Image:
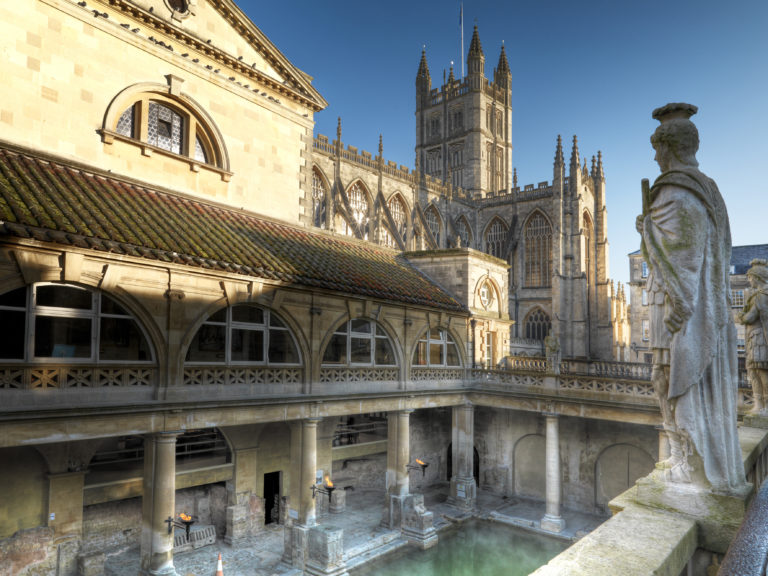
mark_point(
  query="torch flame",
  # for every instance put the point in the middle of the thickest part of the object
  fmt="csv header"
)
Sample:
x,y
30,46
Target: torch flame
x,y
328,482
419,462
185,517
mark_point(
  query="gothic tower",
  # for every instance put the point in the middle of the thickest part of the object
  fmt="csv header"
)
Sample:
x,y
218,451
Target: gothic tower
x,y
464,128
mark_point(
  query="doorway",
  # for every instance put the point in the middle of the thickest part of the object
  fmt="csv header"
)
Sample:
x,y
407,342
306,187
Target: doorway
x,y
272,497
475,464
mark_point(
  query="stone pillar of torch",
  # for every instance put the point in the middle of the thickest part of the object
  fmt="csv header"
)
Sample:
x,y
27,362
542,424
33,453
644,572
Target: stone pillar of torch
x,y
158,504
463,484
552,520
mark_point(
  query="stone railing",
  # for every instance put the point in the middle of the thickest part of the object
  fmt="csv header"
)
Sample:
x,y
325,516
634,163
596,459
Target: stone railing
x,y
507,378
345,375
419,374
577,383
63,377
216,376
525,363
631,370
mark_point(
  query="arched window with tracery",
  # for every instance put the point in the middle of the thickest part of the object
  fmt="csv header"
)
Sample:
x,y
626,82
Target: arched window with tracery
x,y
397,211
496,239
588,246
537,325
538,251
358,206
319,199
464,232
433,221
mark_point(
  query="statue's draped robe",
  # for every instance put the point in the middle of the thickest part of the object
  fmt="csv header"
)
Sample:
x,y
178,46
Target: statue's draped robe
x,y
687,243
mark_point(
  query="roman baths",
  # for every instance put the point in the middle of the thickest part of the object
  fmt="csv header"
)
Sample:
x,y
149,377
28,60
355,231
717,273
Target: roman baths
x,y
230,343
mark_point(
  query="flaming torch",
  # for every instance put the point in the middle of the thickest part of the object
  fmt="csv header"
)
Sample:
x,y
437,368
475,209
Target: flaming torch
x,y
326,488
420,465
184,521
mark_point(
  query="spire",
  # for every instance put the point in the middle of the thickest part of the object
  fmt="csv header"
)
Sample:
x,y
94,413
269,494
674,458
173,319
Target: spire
x,y
600,173
476,60
514,177
584,171
575,152
559,159
475,48
451,77
338,129
593,172
423,67
381,146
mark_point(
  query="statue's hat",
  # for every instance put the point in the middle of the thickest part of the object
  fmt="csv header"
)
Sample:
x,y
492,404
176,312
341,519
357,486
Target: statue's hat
x,y
673,111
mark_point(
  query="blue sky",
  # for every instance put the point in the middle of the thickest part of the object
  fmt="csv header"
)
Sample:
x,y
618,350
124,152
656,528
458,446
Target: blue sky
x,y
594,68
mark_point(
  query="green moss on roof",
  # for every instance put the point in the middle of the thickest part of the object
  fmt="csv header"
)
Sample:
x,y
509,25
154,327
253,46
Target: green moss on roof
x,y
54,201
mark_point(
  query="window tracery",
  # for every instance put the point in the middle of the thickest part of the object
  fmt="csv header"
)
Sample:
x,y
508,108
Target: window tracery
x,y
538,251
496,239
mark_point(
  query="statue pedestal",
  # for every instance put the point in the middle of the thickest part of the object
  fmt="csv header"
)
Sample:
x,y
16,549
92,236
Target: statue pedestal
x,y
717,515
756,420
326,552
418,522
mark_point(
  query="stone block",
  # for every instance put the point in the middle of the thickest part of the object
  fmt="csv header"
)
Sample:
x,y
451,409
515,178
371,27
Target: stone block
x,y
717,516
338,502
418,522
91,565
326,552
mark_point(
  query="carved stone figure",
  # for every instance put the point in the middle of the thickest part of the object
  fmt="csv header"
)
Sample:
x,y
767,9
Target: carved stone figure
x,y
686,242
755,317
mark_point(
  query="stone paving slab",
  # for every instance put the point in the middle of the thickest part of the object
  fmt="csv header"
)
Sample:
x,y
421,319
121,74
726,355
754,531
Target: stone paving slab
x,y
364,536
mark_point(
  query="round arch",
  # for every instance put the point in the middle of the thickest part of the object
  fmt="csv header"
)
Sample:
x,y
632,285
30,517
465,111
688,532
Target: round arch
x,y
617,468
494,302
529,466
425,337
171,94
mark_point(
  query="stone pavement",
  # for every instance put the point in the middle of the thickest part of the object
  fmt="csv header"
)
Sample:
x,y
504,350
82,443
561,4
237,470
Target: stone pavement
x,y
364,537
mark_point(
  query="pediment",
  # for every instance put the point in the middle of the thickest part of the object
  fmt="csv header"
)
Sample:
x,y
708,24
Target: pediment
x,y
220,26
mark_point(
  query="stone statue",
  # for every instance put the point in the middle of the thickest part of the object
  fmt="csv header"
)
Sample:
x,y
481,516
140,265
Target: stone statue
x,y
552,347
686,242
755,317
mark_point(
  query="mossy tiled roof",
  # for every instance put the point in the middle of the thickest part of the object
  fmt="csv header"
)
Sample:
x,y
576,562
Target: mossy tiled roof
x,y
55,201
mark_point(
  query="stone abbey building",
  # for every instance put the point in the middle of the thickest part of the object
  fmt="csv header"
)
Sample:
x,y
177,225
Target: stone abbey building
x,y
202,301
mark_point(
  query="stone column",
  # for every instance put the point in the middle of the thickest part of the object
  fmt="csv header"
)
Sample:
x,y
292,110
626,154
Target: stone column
x,y
403,452
158,504
296,536
308,471
463,485
552,520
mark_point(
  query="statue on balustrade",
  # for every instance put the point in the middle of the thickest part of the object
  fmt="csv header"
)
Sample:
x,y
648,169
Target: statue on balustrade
x,y
754,316
686,242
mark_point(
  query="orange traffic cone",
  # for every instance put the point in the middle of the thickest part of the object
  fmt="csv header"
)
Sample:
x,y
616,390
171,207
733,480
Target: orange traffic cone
x,y
219,569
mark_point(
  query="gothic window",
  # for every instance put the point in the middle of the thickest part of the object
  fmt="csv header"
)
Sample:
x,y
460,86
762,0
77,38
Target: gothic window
x,y
60,323
499,170
360,342
499,126
397,211
588,246
457,164
489,166
537,325
457,120
167,125
434,162
243,335
538,251
464,232
434,125
433,221
358,205
436,348
496,239
319,196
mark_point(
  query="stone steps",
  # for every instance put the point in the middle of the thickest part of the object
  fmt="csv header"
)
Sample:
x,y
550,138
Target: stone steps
x,y
375,547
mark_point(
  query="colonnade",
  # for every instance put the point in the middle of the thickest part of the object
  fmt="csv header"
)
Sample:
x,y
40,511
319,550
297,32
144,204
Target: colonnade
x,y
158,506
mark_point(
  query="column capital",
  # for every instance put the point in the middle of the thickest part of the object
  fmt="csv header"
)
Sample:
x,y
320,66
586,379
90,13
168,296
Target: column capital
x,y
309,422
551,414
164,436
406,411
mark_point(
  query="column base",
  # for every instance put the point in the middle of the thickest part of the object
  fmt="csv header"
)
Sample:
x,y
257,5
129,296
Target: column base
x,y
418,522
463,493
326,552
552,523
296,545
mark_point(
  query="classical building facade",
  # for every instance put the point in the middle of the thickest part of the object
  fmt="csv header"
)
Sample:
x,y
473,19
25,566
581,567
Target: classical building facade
x,y
202,300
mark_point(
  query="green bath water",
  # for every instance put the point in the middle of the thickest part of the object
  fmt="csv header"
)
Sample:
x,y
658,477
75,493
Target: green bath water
x,y
475,548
